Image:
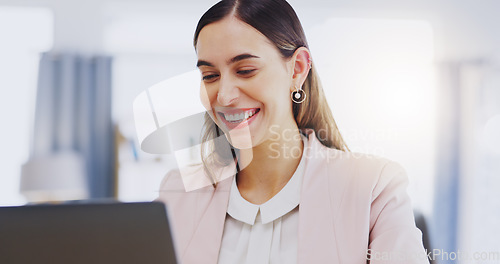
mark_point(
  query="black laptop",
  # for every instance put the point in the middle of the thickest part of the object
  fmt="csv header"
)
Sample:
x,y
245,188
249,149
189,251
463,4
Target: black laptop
x,y
94,233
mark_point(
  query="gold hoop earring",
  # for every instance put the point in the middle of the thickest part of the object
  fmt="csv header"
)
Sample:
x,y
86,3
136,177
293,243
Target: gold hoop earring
x,y
298,96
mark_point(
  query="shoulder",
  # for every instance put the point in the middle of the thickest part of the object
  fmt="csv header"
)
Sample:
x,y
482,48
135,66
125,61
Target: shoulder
x,y
192,185
368,170
175,185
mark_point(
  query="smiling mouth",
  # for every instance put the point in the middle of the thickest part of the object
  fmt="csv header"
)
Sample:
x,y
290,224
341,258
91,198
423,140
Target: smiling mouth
x,y
236,117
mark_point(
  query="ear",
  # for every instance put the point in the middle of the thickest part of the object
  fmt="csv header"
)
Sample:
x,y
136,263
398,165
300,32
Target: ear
x,y
300,66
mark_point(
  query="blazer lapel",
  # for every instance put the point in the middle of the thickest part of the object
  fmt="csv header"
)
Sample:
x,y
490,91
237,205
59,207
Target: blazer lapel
x,y
205,243
317,238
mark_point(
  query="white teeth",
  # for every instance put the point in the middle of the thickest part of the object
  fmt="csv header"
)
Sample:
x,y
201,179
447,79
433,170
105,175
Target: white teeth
x,y
239,117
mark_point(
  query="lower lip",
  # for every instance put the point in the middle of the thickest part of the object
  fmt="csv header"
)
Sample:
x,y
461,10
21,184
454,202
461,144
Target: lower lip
x,y
242,124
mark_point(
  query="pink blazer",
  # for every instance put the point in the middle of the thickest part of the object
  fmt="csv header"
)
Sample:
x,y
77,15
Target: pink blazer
x,y
353,207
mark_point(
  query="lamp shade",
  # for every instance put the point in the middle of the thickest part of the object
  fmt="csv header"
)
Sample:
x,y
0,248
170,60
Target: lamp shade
x,y
57,177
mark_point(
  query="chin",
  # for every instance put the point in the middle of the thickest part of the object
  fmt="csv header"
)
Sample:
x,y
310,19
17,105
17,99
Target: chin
x,y
240,138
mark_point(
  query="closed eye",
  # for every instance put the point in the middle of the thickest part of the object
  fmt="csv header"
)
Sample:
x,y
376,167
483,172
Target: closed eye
x,y
209,77
245,72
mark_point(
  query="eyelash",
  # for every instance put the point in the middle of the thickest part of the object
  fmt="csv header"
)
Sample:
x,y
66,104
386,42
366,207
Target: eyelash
x,y
246,71
209,77
242,72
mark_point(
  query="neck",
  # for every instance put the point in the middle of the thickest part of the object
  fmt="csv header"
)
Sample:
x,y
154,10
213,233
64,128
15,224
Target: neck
x,y
266,168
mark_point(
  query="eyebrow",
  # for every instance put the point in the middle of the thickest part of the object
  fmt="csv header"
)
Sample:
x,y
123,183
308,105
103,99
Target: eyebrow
x,y
240,57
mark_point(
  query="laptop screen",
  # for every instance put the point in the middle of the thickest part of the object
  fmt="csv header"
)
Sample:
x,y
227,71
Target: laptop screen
x,y
86,233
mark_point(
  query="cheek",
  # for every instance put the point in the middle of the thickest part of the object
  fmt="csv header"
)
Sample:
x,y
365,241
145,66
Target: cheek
x,y
207,96
272,89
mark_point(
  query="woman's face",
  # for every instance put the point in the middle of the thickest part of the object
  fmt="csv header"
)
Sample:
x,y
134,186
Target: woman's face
x,y
246,84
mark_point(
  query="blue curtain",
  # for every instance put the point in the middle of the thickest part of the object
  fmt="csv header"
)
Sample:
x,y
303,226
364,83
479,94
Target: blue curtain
x,y
73,113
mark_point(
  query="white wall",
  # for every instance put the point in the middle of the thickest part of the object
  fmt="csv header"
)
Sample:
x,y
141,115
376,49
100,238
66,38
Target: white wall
x,y
464,28
19,51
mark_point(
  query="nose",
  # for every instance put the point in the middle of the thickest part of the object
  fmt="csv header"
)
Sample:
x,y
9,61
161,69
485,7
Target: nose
x,y
228,92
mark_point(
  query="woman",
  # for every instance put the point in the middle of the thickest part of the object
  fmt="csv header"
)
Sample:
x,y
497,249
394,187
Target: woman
x,y
287,190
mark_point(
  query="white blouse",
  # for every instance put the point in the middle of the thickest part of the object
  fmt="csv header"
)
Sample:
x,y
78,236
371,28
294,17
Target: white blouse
x,y
266,233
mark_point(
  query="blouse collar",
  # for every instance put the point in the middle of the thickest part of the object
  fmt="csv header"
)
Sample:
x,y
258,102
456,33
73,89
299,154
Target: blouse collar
x,y
279,205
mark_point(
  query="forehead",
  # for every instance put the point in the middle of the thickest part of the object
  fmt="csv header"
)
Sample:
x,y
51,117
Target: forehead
x,y
229,37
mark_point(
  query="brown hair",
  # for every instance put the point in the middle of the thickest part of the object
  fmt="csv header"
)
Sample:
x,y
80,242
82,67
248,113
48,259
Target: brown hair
x,y
276,20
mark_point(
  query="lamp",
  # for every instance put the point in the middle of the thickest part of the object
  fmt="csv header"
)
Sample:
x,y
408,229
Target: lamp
x,y
55,177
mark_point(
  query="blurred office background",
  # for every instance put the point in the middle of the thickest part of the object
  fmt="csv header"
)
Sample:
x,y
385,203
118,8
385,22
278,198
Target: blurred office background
x,y
415,81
